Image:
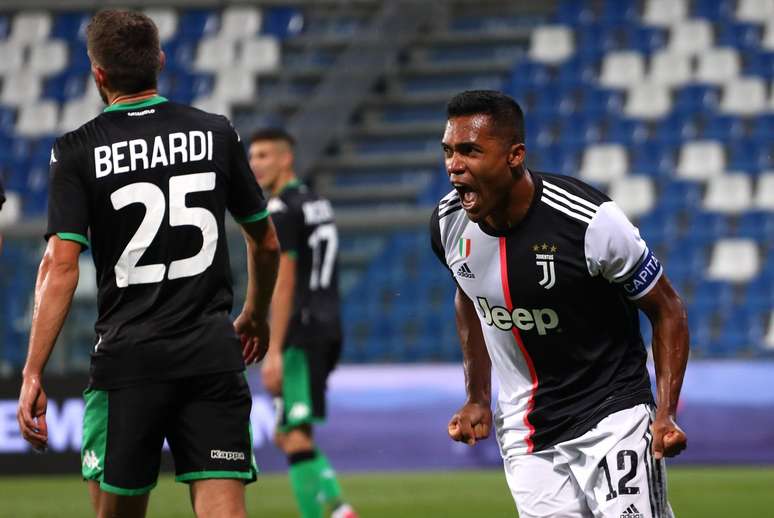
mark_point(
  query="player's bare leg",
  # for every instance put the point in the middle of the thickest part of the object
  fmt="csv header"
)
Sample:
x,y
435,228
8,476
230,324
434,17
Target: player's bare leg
x,y
120,506
218,498
94,495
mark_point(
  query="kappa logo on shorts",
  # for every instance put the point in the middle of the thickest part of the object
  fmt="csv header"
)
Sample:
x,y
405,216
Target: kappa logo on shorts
x,y
632,512
227,455
90,459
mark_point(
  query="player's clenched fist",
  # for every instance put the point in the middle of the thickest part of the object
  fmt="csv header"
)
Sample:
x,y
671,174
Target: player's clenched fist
x,y
471,423
668,438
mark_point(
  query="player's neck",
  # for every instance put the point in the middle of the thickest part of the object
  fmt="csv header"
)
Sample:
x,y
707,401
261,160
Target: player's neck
x,y
285,181
516,205
119,98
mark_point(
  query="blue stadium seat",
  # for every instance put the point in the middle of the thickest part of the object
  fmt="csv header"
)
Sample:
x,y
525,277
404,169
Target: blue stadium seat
x,y
70,26
714,10
739,35
282,22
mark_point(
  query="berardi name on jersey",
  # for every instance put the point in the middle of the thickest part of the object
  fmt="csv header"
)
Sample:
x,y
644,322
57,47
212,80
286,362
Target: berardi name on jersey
x,y
130,155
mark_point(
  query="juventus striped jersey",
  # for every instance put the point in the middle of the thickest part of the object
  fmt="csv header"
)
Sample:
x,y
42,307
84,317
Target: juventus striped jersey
x,y
554,295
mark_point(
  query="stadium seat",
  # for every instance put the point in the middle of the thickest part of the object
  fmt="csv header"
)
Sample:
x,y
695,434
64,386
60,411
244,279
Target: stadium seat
x,y
11,57
669,69
755,11
37,119
48,58
551,44
744,96
701,160
622,69
690,37
215,54
635,195
729,194
648,101
664,13
604,162
239,21
718,66
769,340
767,41
30,26
165,19
234,85
764,193
734,260
213,105
11,209
23,87
77,112
261,54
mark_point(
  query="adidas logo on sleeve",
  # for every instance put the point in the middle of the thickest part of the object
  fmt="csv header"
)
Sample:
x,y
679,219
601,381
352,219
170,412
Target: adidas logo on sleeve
x,y
465,271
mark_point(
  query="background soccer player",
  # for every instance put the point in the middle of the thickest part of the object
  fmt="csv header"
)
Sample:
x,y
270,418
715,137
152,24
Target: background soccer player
x,y
146,185
306,330
550,276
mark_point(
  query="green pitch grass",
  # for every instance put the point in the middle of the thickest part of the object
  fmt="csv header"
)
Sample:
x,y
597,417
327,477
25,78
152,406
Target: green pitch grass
x,y
694,493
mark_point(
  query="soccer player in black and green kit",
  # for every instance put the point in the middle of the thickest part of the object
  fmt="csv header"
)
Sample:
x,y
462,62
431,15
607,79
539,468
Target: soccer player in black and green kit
x,y
146,185
306,328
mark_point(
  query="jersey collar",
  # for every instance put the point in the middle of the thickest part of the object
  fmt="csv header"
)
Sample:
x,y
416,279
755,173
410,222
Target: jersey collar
x,y
156,99
537,181
295,182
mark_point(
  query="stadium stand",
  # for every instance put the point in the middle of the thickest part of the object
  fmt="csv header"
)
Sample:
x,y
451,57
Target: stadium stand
x,y
664,104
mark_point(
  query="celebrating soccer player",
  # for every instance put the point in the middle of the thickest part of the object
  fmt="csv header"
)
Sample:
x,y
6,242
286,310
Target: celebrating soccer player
x,y
306,328
550,275
146,185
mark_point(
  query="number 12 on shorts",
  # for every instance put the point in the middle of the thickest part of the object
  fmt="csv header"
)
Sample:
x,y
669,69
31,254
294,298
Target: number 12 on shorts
x,y
623,489
152,198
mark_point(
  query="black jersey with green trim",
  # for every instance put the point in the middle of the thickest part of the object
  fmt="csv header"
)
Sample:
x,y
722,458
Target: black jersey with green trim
x,y
306,229
554,297
146,185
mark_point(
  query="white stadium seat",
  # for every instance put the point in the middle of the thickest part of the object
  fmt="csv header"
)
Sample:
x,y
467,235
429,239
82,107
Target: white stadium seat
x,y
729,193
768,342
691,37
234,85
634,194
670,69
663,13
213,105
49,57
30,26
718,65
37,119
215,54
604,163
755,11
551,44
648,101
77,112
745,96
240,21
734,260
23,87
86,289
11,209
621,69
166,21
767,41
260,54
701,160
11,57
764,194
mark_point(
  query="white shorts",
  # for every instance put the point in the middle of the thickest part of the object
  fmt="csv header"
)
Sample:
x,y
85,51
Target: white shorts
x,y
607,472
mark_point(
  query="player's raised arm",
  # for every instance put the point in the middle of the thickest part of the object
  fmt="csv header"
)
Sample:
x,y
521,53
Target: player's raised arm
x,y
473,421
667,315
262,263
54,288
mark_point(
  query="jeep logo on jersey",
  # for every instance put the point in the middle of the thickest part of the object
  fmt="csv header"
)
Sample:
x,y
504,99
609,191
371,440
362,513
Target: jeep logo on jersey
x,y
546,264
525,319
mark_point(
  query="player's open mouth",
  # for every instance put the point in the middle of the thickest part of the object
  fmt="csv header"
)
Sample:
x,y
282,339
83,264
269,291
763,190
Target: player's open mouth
x,y
468,196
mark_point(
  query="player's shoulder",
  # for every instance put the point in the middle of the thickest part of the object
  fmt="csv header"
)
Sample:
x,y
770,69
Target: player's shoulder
x,y
204,118
448,218
570,196
448,206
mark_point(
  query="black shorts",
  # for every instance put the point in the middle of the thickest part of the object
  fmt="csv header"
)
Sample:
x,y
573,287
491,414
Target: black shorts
x,y
305,372
205,419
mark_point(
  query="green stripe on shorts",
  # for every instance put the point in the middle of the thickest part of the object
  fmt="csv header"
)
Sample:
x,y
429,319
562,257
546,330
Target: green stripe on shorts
x,y
204,475
95,420
296,392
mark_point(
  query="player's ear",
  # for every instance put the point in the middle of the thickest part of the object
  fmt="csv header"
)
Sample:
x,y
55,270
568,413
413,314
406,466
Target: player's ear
x,y
162,60
516,155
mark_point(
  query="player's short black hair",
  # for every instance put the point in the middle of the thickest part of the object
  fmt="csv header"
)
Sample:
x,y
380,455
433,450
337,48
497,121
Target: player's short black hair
x,y
126,45
273,134
504,111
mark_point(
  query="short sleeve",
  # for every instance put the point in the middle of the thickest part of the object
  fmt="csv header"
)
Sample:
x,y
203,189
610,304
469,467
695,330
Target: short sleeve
x,y
288,222
245,198
68,196
615,250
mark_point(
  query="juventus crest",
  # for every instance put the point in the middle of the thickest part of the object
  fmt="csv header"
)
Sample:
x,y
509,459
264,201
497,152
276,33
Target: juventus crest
x,y
545,262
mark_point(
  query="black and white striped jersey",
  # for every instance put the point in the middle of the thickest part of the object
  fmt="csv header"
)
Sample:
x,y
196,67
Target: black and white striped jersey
x,y
554,297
